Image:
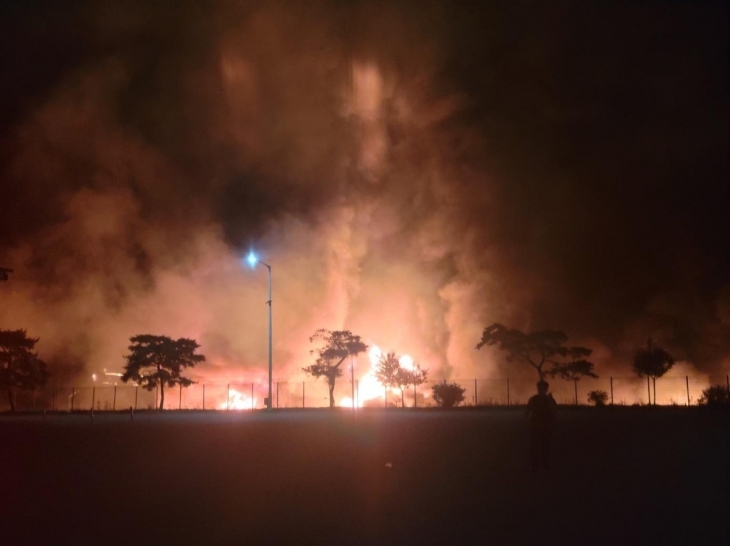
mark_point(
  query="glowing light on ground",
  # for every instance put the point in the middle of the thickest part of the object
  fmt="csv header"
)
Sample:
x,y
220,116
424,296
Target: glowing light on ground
x,y
239,401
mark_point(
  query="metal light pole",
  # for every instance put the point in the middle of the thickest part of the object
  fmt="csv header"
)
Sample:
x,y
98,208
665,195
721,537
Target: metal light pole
x,y
252,261
352,380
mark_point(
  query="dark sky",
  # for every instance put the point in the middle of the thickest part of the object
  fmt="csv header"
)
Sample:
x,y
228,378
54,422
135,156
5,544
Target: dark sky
x,y
611,123
595,136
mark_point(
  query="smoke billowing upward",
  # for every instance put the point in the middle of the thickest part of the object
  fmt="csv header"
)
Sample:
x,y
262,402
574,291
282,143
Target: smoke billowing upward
x,y
412,173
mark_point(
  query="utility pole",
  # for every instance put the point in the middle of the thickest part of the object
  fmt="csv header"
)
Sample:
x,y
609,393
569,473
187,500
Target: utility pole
x,y
270,341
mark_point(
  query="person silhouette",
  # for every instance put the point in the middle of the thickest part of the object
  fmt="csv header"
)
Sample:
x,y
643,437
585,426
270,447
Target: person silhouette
x,y
541,415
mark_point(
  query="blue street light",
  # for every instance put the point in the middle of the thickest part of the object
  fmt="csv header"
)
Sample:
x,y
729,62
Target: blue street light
x,y
252,260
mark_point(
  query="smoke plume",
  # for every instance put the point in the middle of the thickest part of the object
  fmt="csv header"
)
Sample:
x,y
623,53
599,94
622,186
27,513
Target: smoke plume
x,y
412,172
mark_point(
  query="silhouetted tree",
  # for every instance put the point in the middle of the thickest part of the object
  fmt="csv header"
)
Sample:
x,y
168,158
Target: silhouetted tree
x,y
448,395
598,398
336,346
652,361
390,373
716,395
325,368
544,350
159,361
20,367
573,371
414,377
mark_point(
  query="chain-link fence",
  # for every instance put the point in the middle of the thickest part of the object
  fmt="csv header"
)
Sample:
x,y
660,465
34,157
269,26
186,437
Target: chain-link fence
x,y
619,390
670,390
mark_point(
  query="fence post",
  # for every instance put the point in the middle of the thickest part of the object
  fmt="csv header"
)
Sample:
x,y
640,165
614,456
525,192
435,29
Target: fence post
x,y
653,380
34,390
575,382
114,400
251,395
93,399
302,394
73,397
277,395
53,402
415,396
476,396
179,400
727,381
385,398
357,391
686,379
508,391
612,390
136,392
228,397
203,396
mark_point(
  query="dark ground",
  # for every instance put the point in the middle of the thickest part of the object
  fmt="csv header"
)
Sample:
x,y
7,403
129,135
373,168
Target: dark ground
x,y
620,476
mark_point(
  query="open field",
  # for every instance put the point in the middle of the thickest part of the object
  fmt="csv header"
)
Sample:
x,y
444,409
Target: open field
x,y
619,476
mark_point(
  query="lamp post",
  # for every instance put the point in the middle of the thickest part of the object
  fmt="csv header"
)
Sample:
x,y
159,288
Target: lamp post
x,y
252,260
352,381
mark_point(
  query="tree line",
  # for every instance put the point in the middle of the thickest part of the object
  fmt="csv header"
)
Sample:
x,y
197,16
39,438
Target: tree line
x,y
156,361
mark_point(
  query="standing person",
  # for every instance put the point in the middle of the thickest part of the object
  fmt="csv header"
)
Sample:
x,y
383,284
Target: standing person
x,y
541,415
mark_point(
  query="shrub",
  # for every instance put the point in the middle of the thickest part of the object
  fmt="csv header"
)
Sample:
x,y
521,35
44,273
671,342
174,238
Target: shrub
x,y
598,398
448,395
716,395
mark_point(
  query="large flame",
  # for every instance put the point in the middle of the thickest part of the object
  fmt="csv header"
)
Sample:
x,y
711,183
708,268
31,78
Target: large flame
x,y
239,401
368,387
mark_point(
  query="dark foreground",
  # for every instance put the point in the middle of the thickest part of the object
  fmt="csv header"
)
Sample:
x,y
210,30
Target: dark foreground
x,y
620,476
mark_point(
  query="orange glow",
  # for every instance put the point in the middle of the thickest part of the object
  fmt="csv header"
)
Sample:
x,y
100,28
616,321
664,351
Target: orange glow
x,y
368,387
239,401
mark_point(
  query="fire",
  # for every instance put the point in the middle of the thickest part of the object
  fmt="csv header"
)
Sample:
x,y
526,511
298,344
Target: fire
x,y
368,387
406,362
237,400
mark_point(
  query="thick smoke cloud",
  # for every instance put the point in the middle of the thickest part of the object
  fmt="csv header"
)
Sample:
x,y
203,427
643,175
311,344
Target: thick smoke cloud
x,y
412,172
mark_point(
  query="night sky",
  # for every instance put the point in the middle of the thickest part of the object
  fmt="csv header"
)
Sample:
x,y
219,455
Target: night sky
x,y
560,164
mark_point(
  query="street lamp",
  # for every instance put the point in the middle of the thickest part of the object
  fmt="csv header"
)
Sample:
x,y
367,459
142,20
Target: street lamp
x,y
252,260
